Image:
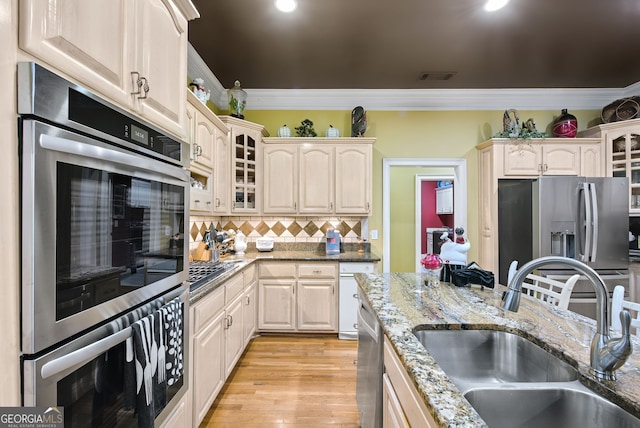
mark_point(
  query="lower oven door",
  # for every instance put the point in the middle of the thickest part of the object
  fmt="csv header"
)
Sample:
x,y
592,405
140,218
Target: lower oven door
x,y
94,379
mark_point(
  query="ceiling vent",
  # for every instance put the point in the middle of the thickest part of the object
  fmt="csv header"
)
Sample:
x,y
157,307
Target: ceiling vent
x,y
436,75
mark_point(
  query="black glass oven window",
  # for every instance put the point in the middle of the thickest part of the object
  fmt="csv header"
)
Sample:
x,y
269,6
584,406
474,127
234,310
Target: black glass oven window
x,y
114,234
102,393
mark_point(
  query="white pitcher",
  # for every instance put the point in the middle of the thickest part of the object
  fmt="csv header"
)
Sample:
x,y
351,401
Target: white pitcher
x,y
240,243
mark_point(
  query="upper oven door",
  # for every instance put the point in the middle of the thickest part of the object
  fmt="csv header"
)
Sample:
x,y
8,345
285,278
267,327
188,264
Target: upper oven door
x,y
99,232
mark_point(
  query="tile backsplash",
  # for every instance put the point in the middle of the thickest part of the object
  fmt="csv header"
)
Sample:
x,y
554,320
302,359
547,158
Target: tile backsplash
x,y
282,229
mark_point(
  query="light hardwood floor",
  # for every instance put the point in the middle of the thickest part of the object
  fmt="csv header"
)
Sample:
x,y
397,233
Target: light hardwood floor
x,y
290,382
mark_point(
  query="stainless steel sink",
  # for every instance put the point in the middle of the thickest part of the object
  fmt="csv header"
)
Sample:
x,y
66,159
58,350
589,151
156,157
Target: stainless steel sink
x,y
547,407
493,356
512,382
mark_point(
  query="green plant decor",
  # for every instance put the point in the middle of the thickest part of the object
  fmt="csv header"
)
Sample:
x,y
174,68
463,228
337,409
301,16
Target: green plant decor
x,y
306,129
513,129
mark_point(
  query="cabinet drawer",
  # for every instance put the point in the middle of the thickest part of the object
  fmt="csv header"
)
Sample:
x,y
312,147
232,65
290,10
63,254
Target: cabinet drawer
x,y
208,308
277,270
234,287
249,275
317,270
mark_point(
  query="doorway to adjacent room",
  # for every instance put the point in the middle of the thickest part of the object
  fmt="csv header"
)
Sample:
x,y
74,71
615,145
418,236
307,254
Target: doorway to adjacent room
x,y
456,167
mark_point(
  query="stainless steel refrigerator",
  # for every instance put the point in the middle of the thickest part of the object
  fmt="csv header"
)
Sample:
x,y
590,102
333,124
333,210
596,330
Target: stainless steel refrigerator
x,y
585,218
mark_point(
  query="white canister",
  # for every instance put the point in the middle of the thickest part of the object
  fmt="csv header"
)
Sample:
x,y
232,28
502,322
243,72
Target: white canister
x,y
284,132
333,132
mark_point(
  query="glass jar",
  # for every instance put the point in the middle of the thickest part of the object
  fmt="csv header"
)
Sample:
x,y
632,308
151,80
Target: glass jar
x,y
237,100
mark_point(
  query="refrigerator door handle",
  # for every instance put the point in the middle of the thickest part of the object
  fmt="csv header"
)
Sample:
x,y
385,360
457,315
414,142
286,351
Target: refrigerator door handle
x,y
594,229
588,234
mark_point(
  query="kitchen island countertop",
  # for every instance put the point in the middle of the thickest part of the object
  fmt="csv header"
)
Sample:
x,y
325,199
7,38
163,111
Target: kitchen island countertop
x,y
402,302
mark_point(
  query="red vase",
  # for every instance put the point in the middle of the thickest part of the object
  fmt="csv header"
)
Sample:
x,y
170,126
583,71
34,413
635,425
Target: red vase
x,y
566,125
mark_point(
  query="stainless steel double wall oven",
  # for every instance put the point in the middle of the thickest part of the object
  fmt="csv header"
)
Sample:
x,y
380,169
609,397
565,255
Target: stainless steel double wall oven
x,y
105,200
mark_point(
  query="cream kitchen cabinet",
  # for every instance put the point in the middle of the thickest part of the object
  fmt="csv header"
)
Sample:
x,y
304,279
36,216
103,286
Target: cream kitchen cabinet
x,y
504,158
301,297
249,312
217,342
208,343
276,296
280,179
246,164
133,53
310,176
206,133
222,175
444,200
354,178
558,156
316,179
621,141
403,406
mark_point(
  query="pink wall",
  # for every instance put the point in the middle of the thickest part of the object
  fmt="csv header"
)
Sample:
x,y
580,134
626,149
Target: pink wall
x,y
429,216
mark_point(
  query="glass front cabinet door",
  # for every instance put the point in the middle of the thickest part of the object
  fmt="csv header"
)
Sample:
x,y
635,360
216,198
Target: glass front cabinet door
x,y
245,164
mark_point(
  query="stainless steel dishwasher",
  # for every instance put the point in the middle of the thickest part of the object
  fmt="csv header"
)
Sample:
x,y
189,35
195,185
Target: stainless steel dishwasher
x,y
370,366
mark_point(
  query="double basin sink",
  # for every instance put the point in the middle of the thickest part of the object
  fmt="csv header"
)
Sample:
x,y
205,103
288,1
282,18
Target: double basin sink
x,y
512,382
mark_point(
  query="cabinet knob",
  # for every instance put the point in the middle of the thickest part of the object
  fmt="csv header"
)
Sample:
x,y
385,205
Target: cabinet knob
x,y
197,201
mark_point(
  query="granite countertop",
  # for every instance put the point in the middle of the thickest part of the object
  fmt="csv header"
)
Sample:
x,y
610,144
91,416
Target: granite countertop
x,y
240,263
402,302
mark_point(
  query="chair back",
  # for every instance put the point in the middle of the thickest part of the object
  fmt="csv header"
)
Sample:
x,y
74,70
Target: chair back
x,y
618,304
549,290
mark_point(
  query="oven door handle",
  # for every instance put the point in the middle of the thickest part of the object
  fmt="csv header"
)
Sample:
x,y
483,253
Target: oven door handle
x,y
65,145
84,355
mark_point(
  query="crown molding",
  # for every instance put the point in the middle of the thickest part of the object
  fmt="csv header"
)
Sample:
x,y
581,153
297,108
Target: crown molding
x,y
410,99
431,99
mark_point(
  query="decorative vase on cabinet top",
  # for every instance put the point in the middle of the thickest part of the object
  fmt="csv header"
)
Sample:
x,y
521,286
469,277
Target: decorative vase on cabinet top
x,y
284,131
333,132
237,100
566,125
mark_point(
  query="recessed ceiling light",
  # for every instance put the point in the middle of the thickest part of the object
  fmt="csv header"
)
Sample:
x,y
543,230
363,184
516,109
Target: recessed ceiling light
x,y
493,5
286,5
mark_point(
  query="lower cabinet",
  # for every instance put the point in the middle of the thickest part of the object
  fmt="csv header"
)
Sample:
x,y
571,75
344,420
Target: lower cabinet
x,y
234,335
208,352
298,297
403,405
392,414
250,309
219,324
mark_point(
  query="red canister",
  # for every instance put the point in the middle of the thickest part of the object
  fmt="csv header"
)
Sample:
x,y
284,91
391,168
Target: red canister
x,y
566,125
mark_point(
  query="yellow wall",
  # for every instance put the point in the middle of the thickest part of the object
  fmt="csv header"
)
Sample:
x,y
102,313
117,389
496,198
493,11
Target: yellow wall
x,y
416,134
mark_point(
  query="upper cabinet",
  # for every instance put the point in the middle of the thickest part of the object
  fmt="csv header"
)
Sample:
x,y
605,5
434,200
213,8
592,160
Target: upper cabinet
x,y
553,156
208,136
246,168
504,158
317,176
133,53
621,141
444,200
